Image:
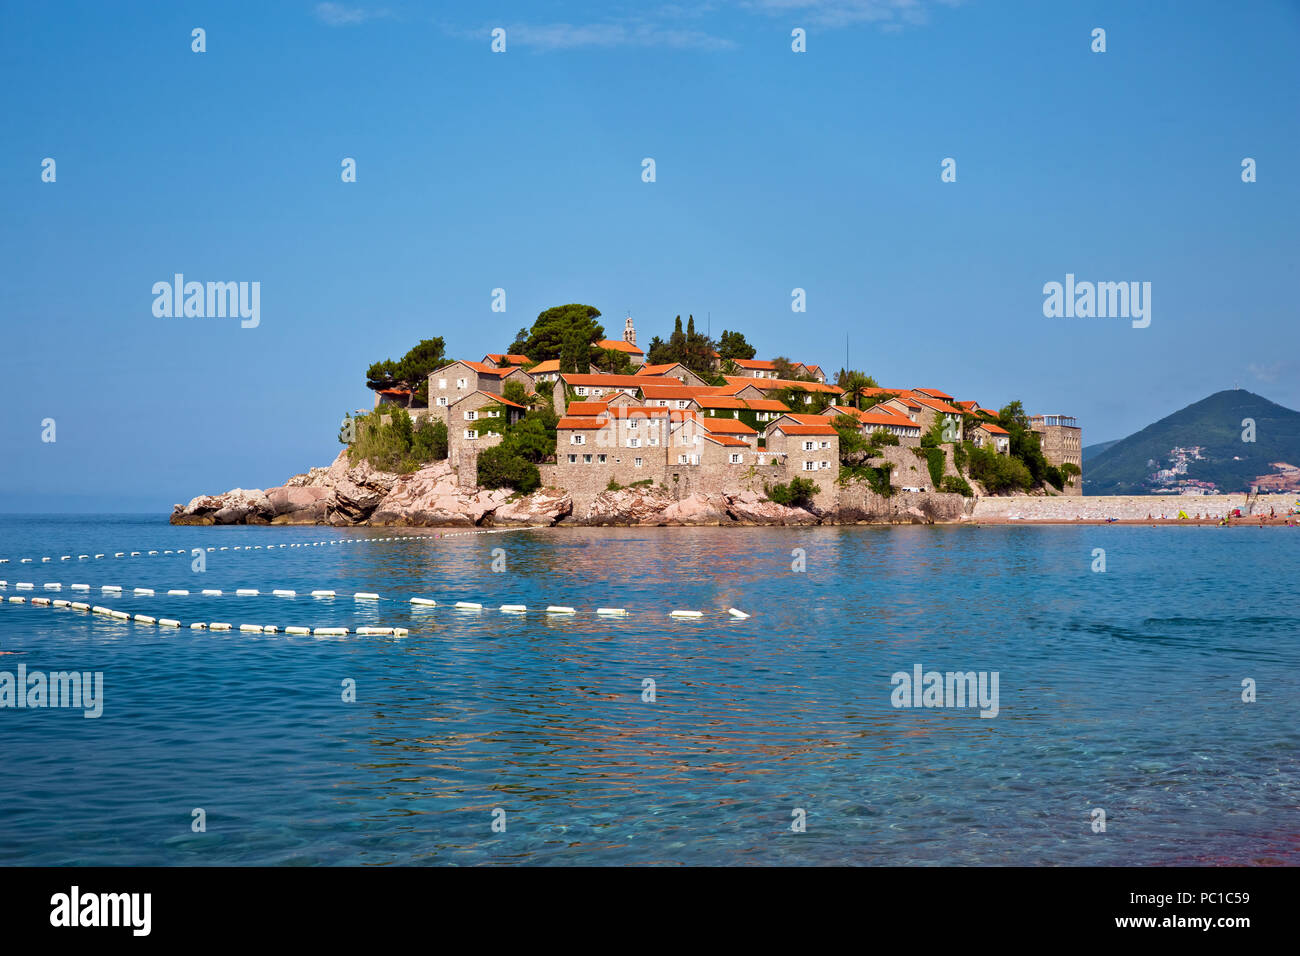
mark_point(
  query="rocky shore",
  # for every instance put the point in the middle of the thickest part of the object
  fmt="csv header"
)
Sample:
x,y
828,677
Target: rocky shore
x,y
348,495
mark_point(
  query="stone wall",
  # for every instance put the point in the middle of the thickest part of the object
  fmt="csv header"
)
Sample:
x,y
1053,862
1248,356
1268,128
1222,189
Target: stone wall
x,y
1124,507
857,502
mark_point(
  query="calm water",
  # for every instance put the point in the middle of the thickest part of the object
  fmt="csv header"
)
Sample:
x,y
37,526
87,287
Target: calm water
x,y
1119,690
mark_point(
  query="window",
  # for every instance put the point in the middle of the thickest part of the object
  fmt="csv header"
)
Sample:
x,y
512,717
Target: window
x,y
808,465
636,462
462,383
807,399
681,403
631,423
470,434
735,459
600,459
442,401
586,459
653,441
573,459
682,459
809,446
469,416
442,383
826,444
634,443
581,390
492,412
824,465
578,440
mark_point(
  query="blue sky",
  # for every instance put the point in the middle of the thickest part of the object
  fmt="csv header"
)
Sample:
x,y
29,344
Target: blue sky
x,y
522,170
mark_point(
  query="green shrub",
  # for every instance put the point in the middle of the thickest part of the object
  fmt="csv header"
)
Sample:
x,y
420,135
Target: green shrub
x,y
498,467
797,494
613,486
880,438
999,472
956,485
429,443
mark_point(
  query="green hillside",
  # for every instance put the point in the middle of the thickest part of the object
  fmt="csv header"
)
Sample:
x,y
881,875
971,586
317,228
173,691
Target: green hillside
x,y
1212,424
1092,451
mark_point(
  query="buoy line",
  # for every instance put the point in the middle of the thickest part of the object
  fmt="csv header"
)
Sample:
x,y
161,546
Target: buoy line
x,y
189,552
167,622
365,598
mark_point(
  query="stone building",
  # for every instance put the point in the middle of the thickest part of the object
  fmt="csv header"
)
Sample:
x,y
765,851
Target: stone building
x,y
452,382
1061,439
811,449
475,422
989,435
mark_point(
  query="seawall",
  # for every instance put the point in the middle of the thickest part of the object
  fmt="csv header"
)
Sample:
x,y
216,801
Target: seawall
x,y
1125,507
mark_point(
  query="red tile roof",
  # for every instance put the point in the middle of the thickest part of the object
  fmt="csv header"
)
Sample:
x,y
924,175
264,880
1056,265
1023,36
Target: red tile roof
x,y
772,384
934,393
580,423
618,345
805,429
733,425
992,429
727,440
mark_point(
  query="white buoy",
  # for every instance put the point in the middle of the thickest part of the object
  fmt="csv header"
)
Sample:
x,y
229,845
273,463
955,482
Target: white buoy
x,y
168,622
322,594
153,552
255,628
97,556
612,611
513,608
424,602
687,613
560,609
374,631
297,630
469,606
17,600
24,585
62,603
145,619
365,596
219,627
198,627
54,587
41,602
331,631
111,587
400,632
119,554
121,615
79,606
283,593
135,554
178,593
145,591
212,592
68,557
269,629
737,613
79,587
246,592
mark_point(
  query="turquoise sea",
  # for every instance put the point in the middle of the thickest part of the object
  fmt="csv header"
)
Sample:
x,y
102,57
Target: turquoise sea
x,y
1118,690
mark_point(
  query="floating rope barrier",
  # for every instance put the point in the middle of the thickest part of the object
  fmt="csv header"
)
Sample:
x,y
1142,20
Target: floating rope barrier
x,y
188,552
364,597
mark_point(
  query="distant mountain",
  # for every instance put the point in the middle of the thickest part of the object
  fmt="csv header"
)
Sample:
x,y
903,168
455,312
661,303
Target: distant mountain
x,y
1092,451
1202,446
